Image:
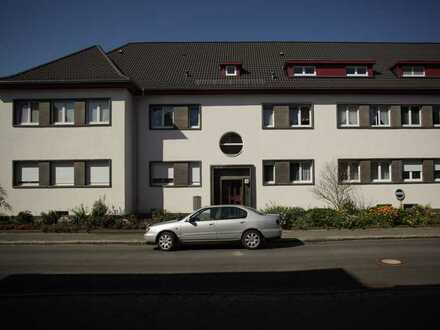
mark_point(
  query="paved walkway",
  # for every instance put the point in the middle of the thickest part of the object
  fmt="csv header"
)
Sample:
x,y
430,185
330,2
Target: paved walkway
x,y
136,236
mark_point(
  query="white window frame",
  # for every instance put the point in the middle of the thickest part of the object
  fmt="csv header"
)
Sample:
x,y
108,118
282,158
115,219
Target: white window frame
x,y
273,172
380,164
299,108
411,179
410,110
300,169
379,109
411,72
347,118
272,115
64,113
189,119
29,121
356,69
303,72
99,114
232,74
348,165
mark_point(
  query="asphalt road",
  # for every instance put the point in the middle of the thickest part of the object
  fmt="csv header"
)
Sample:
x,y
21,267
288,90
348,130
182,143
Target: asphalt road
x,y
341,285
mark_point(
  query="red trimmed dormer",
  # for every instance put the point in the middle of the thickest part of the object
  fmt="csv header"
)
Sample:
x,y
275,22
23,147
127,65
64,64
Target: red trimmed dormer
x,y
230,69
330,68
417,69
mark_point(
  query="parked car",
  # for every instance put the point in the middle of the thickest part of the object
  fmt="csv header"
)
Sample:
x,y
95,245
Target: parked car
x,y
218,223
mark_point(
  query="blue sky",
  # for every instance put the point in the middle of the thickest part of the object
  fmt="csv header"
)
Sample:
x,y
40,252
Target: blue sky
x,y
37,31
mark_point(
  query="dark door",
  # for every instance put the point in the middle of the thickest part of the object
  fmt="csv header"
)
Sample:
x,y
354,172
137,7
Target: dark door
x,y
232,192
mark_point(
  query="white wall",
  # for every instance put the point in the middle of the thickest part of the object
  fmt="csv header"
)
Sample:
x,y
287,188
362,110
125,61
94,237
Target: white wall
x,y
52,143
242,114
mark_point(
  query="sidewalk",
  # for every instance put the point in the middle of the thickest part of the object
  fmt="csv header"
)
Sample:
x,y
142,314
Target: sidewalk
x,y
136,236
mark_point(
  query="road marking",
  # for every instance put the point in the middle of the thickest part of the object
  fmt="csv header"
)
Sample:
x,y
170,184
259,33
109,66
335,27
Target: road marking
x,y
391,262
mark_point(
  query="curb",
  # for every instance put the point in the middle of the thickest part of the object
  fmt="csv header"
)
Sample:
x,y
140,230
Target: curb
x,y
141,242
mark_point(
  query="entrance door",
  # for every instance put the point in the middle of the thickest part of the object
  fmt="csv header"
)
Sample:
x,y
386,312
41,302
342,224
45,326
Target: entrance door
x,y
232,191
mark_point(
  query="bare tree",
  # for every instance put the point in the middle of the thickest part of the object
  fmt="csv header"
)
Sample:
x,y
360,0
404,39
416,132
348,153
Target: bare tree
x,y
3,203
330,189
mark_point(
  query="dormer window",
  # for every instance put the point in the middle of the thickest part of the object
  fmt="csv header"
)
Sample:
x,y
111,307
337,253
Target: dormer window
x,y
413,71
304,71
231,70
357,71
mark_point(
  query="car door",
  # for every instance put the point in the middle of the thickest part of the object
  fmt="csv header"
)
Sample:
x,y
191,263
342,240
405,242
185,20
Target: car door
x,y
231,223
201,226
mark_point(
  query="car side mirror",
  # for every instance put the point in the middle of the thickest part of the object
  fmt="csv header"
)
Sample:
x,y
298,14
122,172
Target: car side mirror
x,y
193,219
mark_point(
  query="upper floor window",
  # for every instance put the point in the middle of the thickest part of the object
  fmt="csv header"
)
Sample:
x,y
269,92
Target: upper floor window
x,y
26,113
379,116
348,116
411,116
381,171
231,70
301,171
268,117
350,171
98,112
300,115
412,171
27,174
175,116
357,71
413,71
64,112
194,117
304,71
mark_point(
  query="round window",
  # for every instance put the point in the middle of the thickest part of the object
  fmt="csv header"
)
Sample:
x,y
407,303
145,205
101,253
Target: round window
x,y
231,144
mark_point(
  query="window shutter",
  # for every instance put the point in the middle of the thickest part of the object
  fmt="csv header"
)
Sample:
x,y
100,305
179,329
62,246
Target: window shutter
x,y
365,171
80,113
282,172
79,173
364,116
64,174
395,114
44,116
44,172
281,115
426,116
428,170
181,174
181,117
396,171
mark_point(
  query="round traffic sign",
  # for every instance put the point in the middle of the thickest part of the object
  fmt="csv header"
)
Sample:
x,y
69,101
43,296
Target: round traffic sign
x,y
400,194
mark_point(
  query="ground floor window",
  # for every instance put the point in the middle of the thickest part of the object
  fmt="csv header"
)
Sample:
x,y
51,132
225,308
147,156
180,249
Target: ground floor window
x,y
27,174
269,173
412,171
350,171
98,173
381,171
301,172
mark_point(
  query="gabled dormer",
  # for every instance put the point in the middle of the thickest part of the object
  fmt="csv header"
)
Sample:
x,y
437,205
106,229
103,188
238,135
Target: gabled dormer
x,y
417,69
230,69
329,68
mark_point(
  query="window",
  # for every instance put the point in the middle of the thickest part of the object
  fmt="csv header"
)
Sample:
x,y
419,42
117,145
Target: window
x,y
195,173
411,115
208,214
98,112
269,172
413,71
299,116
232,213
98,173
162,117
26,113
268,116
231,144
304,71
381,171
437,171
301,172
63,112
27,174
379,116
348,116
162,174
350,171
63,174
436,115
357,71
194,117
412,171
231,70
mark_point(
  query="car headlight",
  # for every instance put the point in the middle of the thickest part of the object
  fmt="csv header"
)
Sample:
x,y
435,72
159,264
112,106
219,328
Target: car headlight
x,y
147,229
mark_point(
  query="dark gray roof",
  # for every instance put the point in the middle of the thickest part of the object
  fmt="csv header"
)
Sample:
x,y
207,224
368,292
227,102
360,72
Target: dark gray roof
x,y
195,66
87,65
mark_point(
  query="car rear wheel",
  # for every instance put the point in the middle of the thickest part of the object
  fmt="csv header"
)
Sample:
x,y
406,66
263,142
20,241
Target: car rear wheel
x,y
252,239
166,241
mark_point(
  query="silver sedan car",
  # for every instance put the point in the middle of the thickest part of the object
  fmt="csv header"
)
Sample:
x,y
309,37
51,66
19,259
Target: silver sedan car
x,y
216,224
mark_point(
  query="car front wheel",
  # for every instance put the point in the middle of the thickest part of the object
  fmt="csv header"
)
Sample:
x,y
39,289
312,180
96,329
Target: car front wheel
x,y
252,239
166,241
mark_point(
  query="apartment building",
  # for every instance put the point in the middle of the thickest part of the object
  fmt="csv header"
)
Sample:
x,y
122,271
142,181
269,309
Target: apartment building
x,y
180,125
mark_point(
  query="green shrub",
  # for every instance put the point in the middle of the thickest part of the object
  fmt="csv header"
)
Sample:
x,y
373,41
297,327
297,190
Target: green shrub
x,y
50,218
289,216
24,217
164,215
5,220
99,212
80,215
323,217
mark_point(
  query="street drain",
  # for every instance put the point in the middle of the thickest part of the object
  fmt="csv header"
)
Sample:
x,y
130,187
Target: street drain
x,y
391,262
